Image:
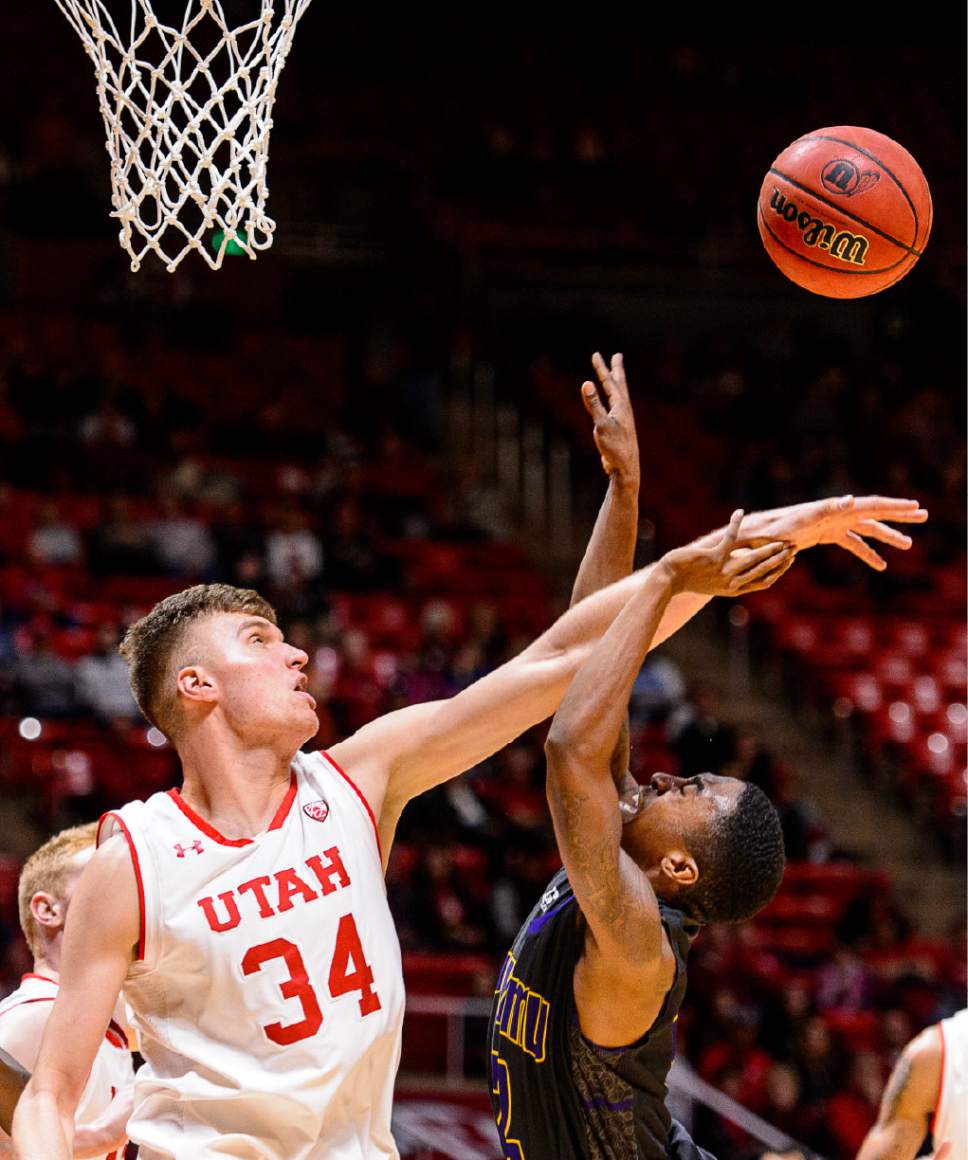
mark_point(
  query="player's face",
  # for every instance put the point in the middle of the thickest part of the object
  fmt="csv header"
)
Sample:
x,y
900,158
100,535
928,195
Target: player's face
x,y
259,679
674,809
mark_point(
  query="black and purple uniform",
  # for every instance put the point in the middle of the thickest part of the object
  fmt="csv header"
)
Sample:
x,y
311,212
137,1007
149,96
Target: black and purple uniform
x,y
555,1095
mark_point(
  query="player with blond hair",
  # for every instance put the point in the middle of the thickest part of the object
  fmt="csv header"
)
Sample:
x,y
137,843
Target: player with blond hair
x,y
248,921
44,892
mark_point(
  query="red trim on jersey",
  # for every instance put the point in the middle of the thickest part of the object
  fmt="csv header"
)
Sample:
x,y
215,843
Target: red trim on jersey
x,y
286,805
359,793
210,831
200,824
137,874
24,1002
115,1035
34,975
937,1105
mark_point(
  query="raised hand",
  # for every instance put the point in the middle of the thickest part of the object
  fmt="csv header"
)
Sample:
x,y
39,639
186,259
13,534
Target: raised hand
x,y
729,567
847,521
614,429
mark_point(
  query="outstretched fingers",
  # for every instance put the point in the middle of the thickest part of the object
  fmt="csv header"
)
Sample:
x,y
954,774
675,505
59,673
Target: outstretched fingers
x,y
612,378
875,530
862,550
879,507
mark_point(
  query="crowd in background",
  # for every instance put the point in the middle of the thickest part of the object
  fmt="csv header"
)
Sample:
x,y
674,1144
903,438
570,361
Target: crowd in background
x,y
118,479
295,439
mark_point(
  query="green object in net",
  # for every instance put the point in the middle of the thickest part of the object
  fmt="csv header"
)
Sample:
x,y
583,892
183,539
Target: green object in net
x,y
233,247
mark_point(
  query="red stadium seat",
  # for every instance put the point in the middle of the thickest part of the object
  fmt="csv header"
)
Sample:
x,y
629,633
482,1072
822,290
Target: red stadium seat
x,y
856,1030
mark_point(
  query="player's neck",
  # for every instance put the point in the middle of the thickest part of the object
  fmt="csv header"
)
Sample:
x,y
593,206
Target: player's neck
x,y
236,788
47,965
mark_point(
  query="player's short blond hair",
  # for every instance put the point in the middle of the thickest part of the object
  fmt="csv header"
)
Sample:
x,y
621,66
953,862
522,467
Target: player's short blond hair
x,y
154,645
47,870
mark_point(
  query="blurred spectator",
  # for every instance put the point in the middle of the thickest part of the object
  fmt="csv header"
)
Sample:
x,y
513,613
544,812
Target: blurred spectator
x,y
515,792
352,559
818,1058
659,688
851,1113
445,917
182,543
516,885
702,741
783,1103
53,540
107,429
102,680
844,983
122,544
239,547
44,680
293,550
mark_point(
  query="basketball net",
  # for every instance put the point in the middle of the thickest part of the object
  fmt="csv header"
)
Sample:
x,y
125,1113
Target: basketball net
x,y
188,111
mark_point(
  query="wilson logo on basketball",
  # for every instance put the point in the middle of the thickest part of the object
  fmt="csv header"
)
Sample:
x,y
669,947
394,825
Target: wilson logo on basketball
x,y
318,811
840,244
843,177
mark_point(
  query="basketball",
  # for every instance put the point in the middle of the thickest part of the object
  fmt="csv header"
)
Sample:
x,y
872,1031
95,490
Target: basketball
x,y
844,212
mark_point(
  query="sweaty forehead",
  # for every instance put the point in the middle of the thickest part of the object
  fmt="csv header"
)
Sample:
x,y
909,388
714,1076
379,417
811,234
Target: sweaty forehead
x,y
725,791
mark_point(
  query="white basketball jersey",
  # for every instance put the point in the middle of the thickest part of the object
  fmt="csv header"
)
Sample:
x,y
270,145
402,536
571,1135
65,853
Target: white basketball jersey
x,y
268,988
951,1116
111,1071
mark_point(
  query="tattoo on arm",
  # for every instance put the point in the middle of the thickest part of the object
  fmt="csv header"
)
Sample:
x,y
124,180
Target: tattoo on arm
x,y
593,860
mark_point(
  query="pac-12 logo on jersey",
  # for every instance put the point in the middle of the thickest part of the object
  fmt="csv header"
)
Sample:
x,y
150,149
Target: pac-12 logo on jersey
x,y
318,811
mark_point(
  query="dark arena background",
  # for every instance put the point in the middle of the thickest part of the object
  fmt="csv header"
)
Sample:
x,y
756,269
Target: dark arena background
x,y
378,424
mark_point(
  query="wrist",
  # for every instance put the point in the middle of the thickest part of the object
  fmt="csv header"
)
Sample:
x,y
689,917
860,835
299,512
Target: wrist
x,y
669,575
624,484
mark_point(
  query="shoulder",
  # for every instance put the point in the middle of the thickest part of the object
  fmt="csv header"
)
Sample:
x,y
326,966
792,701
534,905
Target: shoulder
x,y
110,875
925,1053
912,1090
357,763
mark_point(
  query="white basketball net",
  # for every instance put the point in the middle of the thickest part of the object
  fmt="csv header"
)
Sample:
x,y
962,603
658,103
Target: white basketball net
x,y
188,111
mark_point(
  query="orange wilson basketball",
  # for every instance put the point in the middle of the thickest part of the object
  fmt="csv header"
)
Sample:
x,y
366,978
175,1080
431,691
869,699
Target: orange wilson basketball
x,y
844,211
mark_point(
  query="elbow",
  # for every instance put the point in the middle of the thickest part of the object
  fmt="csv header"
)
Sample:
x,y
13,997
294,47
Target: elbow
x,y
568,752
559,744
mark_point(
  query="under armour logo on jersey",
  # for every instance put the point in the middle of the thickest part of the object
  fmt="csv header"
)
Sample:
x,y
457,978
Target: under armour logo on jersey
x,y
318,811
181,850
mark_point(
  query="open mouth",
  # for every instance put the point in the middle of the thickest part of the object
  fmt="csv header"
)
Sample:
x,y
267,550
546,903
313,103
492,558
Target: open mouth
x,y
302,690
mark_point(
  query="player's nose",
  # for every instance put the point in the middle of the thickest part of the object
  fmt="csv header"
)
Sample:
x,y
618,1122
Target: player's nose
x,y
663,782
298,659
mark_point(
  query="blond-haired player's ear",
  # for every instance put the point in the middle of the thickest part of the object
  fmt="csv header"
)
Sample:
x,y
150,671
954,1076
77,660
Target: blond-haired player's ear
x,y
46,910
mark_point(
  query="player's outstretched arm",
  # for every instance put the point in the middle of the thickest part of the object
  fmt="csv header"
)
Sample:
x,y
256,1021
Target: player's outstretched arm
x,y
908,1102
610,554
399,756
615,896
99,945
